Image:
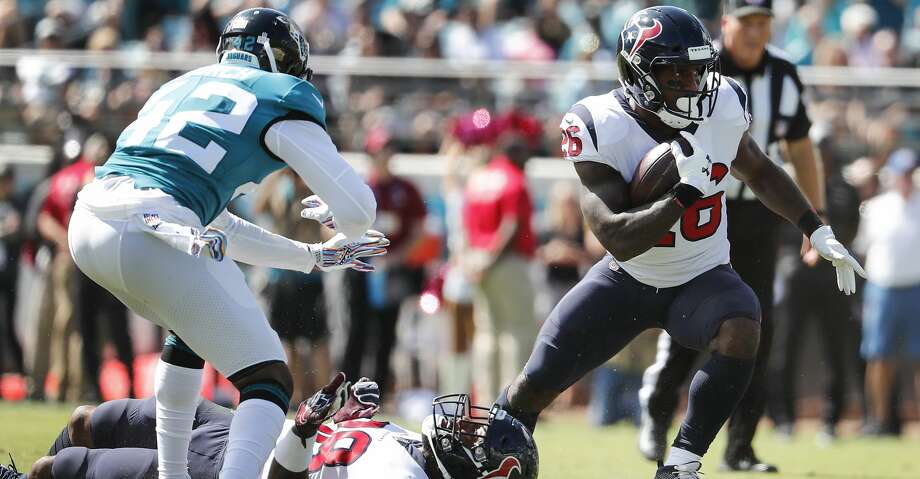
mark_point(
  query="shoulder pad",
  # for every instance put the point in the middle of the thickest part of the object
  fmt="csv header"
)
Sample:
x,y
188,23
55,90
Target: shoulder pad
x,y
608,118
591,129
732,103
579,134
298,97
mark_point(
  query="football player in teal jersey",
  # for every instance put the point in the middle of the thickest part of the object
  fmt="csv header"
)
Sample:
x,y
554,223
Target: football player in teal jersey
x,y
154,230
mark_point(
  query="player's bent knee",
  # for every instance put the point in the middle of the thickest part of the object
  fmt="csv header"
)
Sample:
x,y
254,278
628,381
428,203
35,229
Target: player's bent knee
x,y
80,426
270,381
738,338
42,467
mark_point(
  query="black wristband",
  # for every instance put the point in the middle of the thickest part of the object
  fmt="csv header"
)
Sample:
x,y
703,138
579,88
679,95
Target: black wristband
x,y
685,194
809,222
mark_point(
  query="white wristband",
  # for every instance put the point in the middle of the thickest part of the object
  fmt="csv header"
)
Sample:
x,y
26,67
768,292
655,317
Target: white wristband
x,y
291,453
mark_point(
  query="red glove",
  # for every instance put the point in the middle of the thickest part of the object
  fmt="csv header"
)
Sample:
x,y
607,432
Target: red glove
x,y
320,407
363,402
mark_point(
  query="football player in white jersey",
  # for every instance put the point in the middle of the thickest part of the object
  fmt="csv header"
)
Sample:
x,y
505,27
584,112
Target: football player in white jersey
x,y
154,230
669,260
117,441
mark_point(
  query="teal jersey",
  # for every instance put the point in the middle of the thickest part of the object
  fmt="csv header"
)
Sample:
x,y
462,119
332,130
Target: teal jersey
x,y
199,138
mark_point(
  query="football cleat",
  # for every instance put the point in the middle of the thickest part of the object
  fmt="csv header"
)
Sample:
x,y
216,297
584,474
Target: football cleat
x,y
690,470
10,471
748,463
652,437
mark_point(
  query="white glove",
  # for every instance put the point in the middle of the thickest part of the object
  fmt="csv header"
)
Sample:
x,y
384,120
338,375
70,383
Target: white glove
x,y
823,241
210,243
317,210
694,169
338,253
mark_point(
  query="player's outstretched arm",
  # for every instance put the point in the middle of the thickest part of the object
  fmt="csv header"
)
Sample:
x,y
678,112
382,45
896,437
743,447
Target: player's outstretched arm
x,y
308,150
251,244
294,448
605,201
777,190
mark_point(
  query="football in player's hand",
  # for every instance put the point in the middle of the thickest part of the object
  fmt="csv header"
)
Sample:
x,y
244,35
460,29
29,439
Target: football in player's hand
x,y
655,175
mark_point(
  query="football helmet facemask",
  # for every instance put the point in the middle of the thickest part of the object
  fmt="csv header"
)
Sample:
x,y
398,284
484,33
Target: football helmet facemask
x,y
476,442
269,39
668,37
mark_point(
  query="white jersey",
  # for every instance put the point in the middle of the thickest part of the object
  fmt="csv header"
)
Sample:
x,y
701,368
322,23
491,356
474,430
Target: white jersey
x,y
364,449
603,129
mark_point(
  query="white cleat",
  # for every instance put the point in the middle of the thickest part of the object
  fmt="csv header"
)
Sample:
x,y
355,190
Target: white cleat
x,y
652,438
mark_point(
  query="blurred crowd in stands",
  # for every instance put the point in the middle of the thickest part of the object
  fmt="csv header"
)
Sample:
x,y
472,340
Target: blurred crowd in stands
x,y
480,258
822,33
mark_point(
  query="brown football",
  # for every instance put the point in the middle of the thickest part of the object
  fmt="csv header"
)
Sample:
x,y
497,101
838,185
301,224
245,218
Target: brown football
x,y
655,175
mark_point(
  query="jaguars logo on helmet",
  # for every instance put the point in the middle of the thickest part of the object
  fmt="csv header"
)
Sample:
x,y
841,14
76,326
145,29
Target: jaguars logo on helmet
x,y
268,39
657,37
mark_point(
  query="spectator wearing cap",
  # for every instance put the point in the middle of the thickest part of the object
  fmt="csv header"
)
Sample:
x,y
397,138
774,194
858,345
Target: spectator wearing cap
x,y
374,300
501,240
42,79
889,234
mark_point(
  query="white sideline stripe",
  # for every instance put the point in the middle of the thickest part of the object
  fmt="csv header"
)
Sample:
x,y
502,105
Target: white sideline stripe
x,y
438,68
403,164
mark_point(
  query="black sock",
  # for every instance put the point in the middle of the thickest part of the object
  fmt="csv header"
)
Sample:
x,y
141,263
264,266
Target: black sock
x,y
61,443
714,392
528,419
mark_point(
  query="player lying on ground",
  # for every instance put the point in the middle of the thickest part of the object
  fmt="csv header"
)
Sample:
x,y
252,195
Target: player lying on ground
x,y
153,228
117,440
669,264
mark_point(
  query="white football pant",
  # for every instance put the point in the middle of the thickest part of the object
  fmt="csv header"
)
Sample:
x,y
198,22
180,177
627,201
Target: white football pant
x,y
206,303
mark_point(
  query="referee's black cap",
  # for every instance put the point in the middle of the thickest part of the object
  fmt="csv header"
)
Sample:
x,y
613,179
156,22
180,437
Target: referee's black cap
x,y
742,8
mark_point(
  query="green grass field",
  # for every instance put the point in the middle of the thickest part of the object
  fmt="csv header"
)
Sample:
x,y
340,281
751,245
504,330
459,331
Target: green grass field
x,y
571,449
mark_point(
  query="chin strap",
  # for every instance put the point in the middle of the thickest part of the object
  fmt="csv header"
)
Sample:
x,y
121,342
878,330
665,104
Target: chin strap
x,y
428,431
263,40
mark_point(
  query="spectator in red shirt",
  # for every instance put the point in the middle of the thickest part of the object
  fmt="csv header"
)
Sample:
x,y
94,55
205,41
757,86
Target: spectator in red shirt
x,y
52,222
80,305
497,215
376,298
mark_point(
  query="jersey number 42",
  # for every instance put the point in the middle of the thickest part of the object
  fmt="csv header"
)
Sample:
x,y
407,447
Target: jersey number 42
x,y
184,115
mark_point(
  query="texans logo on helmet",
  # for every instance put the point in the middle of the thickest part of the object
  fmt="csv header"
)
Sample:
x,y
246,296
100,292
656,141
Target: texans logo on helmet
x,y
508,465
645,34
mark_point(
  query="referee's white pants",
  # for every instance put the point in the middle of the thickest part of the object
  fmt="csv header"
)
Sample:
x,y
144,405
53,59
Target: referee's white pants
x,y
206,303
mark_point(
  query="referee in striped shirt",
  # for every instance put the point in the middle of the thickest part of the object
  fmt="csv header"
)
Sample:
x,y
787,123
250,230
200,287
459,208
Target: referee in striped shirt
x,y
781,123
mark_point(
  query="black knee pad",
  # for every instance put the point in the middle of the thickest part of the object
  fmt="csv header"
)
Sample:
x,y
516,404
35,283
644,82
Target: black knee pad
x,y
177,353
270,381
